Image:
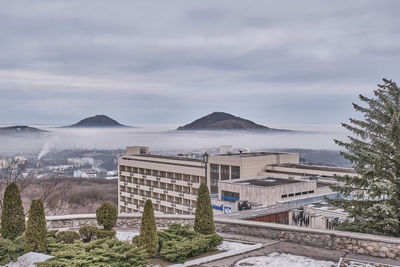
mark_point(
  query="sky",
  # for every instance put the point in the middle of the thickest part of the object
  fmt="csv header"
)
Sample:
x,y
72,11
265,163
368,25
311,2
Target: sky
x,y
171,62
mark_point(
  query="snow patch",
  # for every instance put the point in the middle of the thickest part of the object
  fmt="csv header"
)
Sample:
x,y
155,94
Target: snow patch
x,y
281,259
230,246
29,260
126,235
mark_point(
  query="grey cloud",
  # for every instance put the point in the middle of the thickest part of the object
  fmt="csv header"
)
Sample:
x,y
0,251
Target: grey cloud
x,y
172,61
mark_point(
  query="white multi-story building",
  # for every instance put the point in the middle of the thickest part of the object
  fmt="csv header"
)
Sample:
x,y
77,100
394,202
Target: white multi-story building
x,y
172,183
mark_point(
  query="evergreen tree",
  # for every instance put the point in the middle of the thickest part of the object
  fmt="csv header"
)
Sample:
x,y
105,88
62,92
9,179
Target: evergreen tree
x,y
107,215
12,217
36,231
148,237
204,218
373,197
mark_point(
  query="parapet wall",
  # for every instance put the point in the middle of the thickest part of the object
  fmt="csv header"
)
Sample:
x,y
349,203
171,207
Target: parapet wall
x,y
372,245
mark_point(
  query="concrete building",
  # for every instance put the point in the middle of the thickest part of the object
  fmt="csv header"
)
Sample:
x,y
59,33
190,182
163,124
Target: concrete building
x,y
172,182
317,216
266,190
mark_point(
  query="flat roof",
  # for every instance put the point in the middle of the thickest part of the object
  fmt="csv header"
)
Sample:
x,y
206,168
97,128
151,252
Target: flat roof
x,y
252,154
317,168
267,181
259,212
165,157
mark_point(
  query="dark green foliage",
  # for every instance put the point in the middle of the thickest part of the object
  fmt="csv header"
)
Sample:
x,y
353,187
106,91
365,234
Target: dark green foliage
x,y
101,252
11,250
36,231
177,243
373,197
67,237
12,217
204,218
148,229
106,215
52,233
100,233
88,232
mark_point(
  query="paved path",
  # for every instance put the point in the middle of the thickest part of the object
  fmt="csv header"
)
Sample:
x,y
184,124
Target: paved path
x,y
270,246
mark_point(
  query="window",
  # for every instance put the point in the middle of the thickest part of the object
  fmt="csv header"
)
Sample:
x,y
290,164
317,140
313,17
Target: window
x,y
284,196
297,194
235,172
214,168
291,195
224,172
311,192
304,193
230,196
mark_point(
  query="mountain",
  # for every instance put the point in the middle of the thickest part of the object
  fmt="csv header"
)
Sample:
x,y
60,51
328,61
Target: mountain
x,y
223,121
12,130
96,122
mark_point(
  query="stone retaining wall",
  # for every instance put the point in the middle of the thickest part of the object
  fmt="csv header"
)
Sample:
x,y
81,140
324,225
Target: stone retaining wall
x,y
372,245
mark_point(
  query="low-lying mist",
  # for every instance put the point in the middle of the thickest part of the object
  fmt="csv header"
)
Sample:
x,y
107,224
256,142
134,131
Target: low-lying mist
x,y
160,138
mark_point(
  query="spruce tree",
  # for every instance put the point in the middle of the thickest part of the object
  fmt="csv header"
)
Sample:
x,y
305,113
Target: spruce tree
x,y
373,197
36,231
204,219
148,230
12,217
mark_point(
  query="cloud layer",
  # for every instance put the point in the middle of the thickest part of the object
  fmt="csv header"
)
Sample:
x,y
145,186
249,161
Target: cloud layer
x,y
173,61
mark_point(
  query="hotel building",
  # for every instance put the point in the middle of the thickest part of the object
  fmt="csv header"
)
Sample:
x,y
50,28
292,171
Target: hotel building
x,y
172,183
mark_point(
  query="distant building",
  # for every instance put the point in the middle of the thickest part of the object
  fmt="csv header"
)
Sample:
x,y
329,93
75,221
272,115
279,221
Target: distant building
x,y
226,149
78,173
89,174
81,161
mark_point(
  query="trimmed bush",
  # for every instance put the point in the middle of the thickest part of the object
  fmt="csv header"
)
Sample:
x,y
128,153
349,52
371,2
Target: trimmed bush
x,y
106,215
11,250
12,217
148,230
100,233
177,243
68,237
204,218
36,231
101,252
87,232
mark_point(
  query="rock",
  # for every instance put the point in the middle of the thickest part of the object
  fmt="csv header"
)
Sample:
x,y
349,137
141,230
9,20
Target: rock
x,y
28,259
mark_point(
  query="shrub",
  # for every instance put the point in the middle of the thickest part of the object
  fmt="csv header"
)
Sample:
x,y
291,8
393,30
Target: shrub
x,y
36,231
100,233
52,233
148,229
87,232
12,217
106,215
177,243
204,219
102,252
67,237
11,250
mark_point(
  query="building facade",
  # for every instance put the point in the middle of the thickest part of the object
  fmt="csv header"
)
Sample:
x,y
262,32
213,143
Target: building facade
x,y
172,183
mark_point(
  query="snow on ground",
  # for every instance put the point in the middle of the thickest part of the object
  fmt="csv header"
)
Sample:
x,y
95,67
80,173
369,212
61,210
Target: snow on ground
x,y
125,235
281,259
229,246
28,260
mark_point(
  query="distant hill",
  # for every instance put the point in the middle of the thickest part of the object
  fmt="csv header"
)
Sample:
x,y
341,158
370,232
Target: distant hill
x,y
223,121
13,130
97,122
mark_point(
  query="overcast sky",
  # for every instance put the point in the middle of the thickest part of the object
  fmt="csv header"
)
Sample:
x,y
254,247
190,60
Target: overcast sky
x,y
162,62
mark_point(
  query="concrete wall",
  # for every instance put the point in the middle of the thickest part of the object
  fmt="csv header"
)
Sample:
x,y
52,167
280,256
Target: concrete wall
x,y
373,245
